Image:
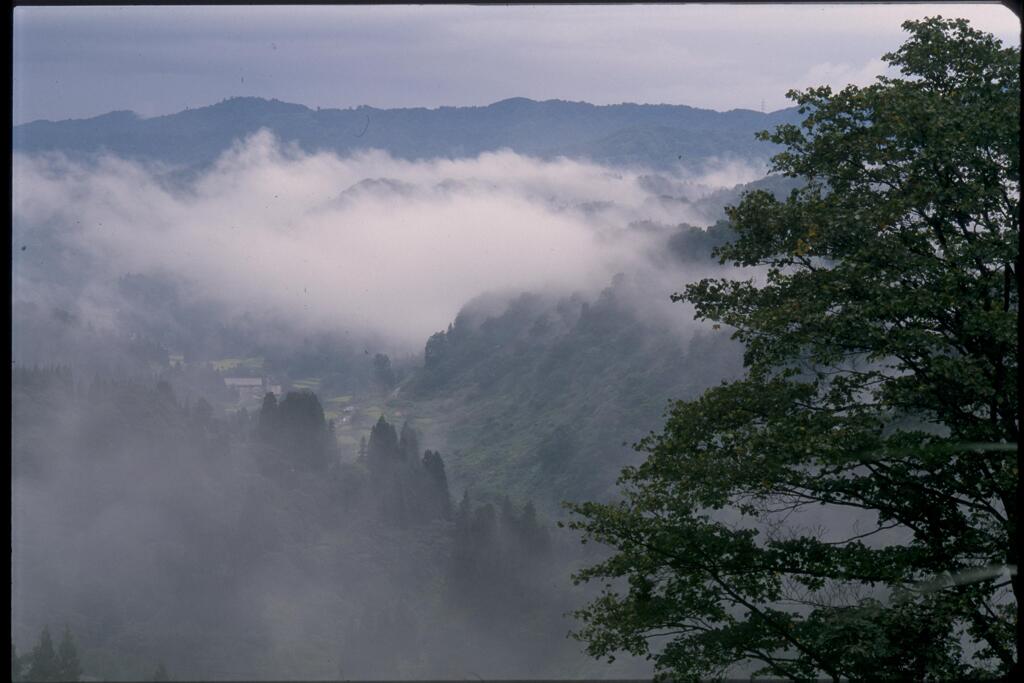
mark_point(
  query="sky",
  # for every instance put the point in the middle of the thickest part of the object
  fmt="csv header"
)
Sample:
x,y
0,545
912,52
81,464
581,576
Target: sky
x,y
77,62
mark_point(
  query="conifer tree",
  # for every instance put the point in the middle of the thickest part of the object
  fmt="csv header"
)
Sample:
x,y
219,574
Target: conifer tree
x,y
382,371
462,551
202,412
462,515
68,666
267,420
439,497
536,537
15,664
166,393
43,662
384,459
302,429
383,444
409,442
161,673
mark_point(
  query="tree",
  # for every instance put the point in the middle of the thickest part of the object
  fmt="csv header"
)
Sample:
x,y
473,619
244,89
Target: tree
x,y
302,429
161,673
390,474
436,350
15,664
879,403
383,374
297,429
467,549
462,515
438,497
166,393
68,666
382,450
203,412
409,442
535,537
43,661
268,422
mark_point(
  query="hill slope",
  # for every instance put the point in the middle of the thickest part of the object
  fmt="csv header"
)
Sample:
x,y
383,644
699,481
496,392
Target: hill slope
x,y
543,399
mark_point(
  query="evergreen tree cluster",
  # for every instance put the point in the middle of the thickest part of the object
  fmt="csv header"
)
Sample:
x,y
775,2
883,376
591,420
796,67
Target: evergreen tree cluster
x,y
383,374
383,521
113,415
160,674
296,428
504,581
47,664
553,389
408,488
495,551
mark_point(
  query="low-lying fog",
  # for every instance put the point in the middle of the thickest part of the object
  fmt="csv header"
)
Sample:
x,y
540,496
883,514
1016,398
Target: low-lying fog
x,y
165,524
360,243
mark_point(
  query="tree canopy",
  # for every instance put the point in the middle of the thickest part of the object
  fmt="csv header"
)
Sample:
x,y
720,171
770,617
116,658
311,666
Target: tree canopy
x,y
847,509
68,666
43,664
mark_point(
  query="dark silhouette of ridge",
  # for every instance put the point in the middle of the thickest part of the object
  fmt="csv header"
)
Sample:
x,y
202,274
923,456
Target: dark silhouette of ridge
x,y
652,135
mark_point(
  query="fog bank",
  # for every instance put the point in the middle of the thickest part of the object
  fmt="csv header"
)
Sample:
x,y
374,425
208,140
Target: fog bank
x,y
365,243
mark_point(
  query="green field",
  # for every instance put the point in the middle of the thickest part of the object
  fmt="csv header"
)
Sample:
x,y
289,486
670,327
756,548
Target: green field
x,y
311,383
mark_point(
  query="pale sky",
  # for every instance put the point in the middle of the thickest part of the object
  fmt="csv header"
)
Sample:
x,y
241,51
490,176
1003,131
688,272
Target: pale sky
x,y
75,62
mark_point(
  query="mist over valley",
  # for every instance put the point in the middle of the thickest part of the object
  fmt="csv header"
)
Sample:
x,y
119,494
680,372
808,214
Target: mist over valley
x,y
296,400
512,388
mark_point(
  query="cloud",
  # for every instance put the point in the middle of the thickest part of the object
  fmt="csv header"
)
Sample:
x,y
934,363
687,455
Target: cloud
x,y
840,75
722,172
365,243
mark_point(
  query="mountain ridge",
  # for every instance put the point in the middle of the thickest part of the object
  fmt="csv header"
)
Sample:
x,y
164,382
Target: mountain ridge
x,y
650,135
444,107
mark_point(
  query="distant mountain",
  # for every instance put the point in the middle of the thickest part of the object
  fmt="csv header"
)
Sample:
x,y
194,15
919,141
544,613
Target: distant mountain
x,y
657,136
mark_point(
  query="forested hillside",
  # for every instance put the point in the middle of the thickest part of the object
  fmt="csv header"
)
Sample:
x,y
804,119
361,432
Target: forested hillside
x,y
655,136
548,396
